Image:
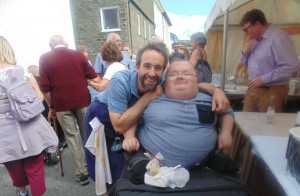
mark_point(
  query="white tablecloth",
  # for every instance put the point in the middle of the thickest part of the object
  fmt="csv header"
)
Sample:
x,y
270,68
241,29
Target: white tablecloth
x,y
272,151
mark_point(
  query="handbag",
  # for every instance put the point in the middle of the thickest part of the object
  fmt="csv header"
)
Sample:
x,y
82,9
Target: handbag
x,y
24,101
203,69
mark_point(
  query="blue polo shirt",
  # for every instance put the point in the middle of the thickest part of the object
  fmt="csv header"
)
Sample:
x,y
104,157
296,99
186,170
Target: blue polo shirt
x,y
182,131
101,67
122,92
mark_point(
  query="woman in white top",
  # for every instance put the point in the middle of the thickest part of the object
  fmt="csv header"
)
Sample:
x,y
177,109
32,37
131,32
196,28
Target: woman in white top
x,y
112,57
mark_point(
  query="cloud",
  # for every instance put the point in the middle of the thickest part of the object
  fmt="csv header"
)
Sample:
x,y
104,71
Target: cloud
x,y
184,26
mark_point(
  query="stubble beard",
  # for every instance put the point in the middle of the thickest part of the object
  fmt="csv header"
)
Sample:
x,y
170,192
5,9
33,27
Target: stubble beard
x,y
146,86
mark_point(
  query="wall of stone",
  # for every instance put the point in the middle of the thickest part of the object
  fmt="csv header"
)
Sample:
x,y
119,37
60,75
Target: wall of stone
x,y
138,41
87,23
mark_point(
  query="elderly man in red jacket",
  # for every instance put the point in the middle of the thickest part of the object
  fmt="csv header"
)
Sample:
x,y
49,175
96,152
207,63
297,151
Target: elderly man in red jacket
x,y
63,81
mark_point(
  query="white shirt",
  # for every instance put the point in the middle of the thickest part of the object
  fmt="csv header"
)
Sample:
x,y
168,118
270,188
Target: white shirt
x,y
112,69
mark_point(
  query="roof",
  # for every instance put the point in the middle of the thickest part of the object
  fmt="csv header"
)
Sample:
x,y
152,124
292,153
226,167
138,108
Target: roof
x,y
219,6
167,18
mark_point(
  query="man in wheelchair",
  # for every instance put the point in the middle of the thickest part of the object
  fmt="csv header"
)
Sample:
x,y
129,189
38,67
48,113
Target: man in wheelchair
x,y
179,125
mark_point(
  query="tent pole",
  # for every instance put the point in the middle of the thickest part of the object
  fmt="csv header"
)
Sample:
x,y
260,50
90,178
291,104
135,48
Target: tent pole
x,y
224,49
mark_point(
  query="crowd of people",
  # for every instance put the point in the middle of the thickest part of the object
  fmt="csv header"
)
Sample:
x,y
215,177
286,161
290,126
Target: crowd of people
x,y
135,101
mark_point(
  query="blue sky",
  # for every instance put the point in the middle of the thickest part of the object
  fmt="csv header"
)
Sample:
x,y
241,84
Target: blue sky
x,y
187,16
188,7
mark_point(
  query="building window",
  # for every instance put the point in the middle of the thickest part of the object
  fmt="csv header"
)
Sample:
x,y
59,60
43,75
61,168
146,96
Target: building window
x,y
149,31
110,20
139,24
145,29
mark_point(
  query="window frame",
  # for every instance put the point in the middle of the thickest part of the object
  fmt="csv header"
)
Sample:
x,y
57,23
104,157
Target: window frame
x,y
145,29
139,23
149,28
102,15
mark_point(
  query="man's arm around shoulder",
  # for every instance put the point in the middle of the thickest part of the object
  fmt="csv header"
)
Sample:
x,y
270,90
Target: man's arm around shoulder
x,y
220,102
124,121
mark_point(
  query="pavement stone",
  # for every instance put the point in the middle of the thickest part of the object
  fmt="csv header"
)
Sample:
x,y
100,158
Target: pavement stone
x,y
56,184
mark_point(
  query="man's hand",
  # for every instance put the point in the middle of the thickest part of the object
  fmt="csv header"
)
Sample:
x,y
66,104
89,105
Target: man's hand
x,y
158,91
51,113
255,83
220,103
249,44
131,144
224,141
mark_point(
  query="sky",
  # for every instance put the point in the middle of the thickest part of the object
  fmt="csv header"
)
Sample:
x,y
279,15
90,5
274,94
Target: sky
x,y
29,34
187,16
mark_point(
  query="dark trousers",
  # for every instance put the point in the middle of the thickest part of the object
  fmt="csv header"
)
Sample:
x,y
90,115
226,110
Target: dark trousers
x,y
116,161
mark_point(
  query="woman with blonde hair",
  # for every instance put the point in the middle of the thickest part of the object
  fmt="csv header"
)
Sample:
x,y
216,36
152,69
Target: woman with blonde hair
x,y
22,143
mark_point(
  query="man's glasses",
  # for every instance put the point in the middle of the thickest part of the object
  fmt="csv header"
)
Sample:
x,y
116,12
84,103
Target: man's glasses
x,y
246,28
184,74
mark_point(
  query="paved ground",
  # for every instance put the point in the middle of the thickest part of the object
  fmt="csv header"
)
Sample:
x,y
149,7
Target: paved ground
x,y
56,184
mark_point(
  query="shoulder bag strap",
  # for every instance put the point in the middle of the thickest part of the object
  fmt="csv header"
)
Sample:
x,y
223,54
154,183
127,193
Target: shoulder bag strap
x,y
14,77
201,55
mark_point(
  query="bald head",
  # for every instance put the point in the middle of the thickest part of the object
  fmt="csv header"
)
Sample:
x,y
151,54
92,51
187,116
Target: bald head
x,y
114,38
56,40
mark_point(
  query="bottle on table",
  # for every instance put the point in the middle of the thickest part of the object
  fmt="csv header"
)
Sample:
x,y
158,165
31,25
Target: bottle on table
x,y
271,109
297,124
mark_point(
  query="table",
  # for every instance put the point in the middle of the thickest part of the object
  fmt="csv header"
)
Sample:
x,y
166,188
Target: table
x,y
271,149
255,123
254,142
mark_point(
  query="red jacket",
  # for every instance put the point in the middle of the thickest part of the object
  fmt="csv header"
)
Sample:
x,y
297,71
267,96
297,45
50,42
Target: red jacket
x,y
63,72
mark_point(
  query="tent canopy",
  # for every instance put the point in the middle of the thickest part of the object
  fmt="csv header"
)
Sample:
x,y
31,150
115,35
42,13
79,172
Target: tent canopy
x,y
281,13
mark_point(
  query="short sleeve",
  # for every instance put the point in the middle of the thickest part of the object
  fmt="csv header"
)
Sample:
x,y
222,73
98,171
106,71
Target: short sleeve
x,y
98,66
117,96
112,69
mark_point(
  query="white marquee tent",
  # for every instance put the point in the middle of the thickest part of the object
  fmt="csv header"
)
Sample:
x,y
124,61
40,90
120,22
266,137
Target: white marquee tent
x,y
284,14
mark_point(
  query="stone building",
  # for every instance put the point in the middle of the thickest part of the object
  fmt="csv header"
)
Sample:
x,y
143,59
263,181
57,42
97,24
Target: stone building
x,y
135,20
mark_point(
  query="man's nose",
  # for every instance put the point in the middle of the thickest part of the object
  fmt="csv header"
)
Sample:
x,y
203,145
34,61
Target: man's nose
x,y
152,71
180,75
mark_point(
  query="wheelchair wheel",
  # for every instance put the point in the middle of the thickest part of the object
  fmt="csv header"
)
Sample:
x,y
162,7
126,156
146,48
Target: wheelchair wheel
x,y
54,157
